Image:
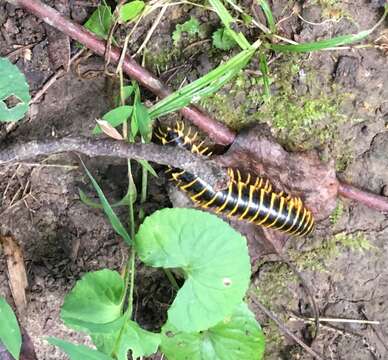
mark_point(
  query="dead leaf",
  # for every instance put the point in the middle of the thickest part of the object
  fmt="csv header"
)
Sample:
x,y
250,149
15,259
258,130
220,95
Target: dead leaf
x,y
109,130
17,276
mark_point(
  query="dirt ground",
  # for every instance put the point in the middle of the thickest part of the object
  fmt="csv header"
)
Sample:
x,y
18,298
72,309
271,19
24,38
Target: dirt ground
x,y
344,261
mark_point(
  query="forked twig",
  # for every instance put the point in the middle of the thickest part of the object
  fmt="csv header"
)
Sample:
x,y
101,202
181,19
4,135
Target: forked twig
x,y
284,329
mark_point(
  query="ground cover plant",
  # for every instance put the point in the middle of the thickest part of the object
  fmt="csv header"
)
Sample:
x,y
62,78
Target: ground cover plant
x,y
208,316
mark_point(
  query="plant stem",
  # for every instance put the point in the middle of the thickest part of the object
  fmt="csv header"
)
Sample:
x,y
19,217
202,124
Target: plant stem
x,y
171,278
143,196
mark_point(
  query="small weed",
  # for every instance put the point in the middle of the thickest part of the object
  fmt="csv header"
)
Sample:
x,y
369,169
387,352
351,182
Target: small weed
x,y
337,213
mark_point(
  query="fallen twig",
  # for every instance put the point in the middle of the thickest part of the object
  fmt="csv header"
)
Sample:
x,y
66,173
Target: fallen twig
x,y
284,329
176,157
367,198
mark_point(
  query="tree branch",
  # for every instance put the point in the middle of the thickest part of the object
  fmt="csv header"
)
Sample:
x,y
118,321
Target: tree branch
x,y
166,155
367,198
217,131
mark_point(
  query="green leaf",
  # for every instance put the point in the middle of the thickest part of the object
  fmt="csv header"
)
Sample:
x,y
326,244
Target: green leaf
x,y
145,164
191,27
268,14
330,43
130,10
115,117
100,21
223,40
96,298
213,256
141,342
13,85
113,219
237,337
204,86
144,121
227,20
9,329
78,352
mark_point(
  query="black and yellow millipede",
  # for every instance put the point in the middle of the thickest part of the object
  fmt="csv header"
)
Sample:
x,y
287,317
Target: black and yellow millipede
x,y
247,197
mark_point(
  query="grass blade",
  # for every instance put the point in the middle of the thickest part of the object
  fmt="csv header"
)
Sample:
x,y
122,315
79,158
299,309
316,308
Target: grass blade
x,y
113,219
227,20
329,43
268,14
204,86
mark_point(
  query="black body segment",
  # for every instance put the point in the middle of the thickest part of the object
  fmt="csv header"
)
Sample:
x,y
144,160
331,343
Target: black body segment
x,y
246,197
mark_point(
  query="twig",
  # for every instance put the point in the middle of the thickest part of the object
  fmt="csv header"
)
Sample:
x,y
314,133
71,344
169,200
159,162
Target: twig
x,y
367,198
340,320
284,329
217,131
179,158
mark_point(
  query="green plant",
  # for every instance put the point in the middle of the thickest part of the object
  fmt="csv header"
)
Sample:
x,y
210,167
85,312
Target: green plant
x,y
208,307
14,92
9,329
191,27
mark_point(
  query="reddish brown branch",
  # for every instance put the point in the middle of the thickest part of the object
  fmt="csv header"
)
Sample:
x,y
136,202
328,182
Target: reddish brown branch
x,y
367,198
217,131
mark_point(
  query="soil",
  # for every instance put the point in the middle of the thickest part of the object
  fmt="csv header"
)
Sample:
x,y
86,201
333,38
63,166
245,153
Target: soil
x,y
344,262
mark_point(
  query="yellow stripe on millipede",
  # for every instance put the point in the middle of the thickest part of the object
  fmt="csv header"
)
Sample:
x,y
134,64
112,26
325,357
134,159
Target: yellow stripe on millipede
x,y
251,190
194,197
273,196
211,201
222,207
296,217
279,212
290,207
259,207
301,222
240,186
185,187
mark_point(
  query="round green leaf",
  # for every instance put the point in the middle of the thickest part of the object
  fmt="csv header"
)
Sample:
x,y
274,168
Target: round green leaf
x,y
13,83
130,10
213,256
237,337
9,329
97,298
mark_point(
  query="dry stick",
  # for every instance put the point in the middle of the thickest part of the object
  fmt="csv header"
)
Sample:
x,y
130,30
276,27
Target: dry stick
x,y
367,198
284,329
176,157
217,131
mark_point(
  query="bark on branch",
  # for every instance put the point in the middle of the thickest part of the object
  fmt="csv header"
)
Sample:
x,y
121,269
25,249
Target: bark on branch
x,y
176,157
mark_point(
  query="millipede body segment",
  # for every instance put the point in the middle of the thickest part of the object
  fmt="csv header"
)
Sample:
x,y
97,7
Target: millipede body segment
x,y
246,197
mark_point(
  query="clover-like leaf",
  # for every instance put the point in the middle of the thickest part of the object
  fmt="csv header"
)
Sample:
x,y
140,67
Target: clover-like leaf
x,y
237,337
14,88
97,298
9,329
212,255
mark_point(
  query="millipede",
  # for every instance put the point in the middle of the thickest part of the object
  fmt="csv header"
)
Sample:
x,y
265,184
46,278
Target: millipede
x,y
246,197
